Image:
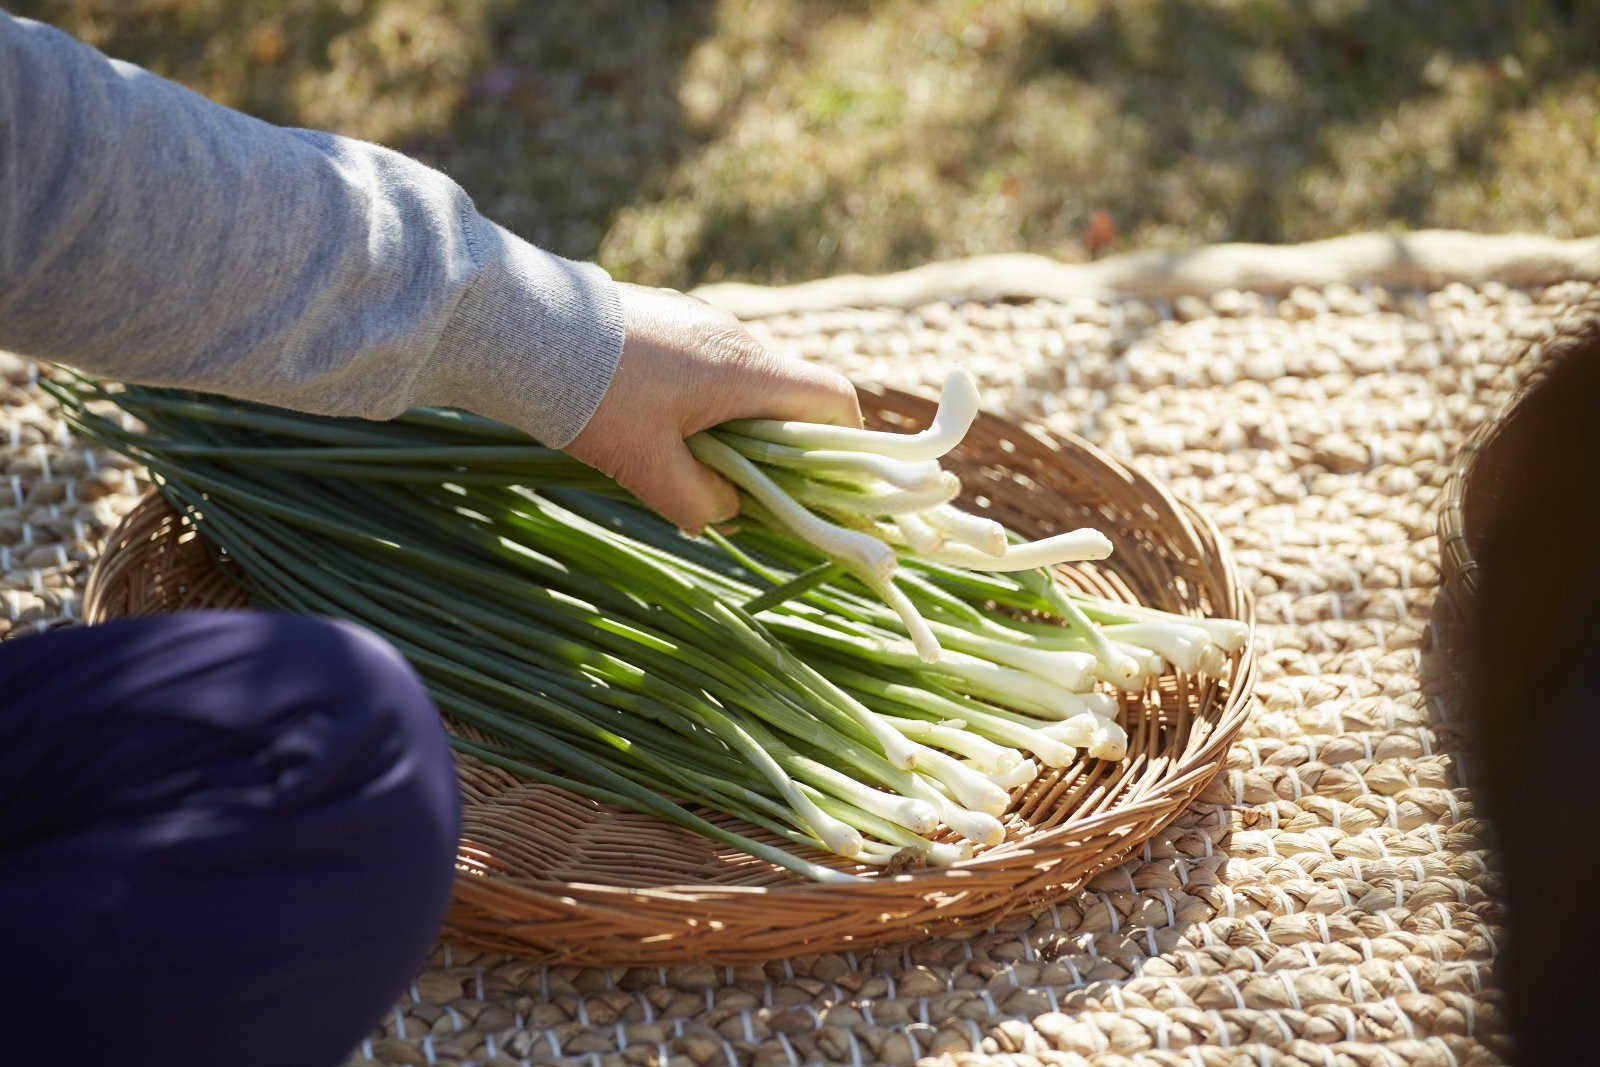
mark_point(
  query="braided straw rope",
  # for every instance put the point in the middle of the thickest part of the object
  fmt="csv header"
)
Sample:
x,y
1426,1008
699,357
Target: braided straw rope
x,y
547,872
1326,900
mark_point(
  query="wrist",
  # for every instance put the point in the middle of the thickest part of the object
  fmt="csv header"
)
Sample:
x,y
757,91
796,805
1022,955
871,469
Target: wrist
x,y
534,341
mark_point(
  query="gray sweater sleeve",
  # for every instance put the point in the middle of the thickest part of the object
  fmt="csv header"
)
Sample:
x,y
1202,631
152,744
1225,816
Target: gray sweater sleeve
x,y
150,235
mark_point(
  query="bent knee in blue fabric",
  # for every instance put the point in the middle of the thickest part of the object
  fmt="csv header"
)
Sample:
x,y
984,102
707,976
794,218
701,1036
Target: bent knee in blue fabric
x,y
253,815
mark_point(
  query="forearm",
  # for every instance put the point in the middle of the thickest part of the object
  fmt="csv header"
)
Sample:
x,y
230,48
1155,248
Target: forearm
x,y
151,235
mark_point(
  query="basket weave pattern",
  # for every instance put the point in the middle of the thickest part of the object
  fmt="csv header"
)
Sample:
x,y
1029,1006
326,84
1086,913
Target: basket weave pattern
x,y
1478,471
1326,900
549,873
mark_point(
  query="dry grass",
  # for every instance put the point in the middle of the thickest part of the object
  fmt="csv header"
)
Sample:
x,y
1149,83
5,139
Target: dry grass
x,y
774,140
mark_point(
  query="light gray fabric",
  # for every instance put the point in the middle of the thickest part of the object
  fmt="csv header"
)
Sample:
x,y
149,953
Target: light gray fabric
x,y
151,235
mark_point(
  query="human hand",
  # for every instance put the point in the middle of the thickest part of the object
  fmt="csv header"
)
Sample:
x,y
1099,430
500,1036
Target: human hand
x,y
687,366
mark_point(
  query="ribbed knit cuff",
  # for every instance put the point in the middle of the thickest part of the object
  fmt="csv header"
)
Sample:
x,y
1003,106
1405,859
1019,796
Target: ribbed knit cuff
x,y
533,342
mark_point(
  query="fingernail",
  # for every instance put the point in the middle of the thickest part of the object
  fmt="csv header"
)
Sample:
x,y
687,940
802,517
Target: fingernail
x,y
728,499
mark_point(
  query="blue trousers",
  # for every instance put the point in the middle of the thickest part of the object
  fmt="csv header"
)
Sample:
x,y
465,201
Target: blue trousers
x,y
225,838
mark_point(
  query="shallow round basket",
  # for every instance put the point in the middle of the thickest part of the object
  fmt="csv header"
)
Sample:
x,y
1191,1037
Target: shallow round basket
x,y
550,874
1485,480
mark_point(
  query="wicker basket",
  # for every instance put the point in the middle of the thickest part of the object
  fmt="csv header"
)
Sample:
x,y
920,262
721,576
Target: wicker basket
x,y
1486,468
554,875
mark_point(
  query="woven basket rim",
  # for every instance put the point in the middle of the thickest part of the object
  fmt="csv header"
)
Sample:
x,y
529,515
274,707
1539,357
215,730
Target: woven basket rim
x,y
1458,566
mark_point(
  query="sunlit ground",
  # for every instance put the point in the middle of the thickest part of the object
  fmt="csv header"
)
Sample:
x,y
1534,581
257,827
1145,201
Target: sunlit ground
x,y
681,142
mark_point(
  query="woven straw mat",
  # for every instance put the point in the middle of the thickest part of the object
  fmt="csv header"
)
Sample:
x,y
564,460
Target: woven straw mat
x,y
1329,900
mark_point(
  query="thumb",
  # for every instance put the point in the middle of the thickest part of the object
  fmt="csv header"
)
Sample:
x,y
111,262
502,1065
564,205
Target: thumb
x,y
681,490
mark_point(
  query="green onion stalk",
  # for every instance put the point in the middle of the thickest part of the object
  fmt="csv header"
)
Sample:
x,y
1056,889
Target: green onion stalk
x,y
861,672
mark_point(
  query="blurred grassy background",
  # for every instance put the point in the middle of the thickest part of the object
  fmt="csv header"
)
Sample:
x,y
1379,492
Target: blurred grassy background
x,y
681,141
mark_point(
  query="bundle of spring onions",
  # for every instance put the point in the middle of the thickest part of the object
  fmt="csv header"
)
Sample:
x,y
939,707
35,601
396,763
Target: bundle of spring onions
x,y
861,667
